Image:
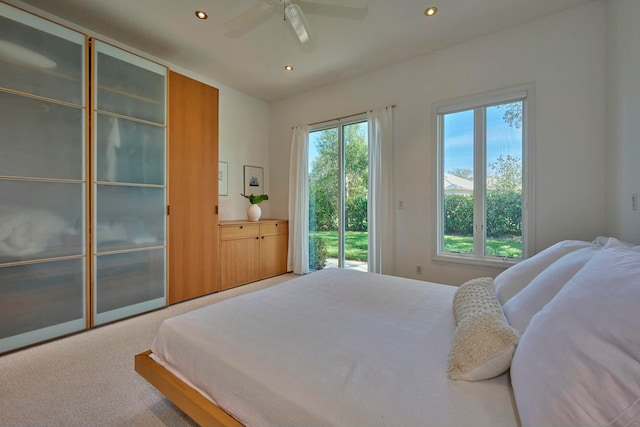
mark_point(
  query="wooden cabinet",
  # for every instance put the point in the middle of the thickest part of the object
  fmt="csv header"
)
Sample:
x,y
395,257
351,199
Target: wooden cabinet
x,y
251,251
274,243
193,188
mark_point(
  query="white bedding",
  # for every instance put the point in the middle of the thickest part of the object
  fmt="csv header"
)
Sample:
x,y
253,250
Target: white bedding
x,y
333,348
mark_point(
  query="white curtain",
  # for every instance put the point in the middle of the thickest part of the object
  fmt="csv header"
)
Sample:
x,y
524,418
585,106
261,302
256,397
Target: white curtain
x,y
380,203
299,201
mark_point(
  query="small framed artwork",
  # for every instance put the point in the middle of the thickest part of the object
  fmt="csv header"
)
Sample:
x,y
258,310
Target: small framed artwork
x,y
253,177
223,179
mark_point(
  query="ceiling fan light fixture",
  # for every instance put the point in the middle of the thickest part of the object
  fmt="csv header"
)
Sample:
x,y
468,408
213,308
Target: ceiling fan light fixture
x,y
298,22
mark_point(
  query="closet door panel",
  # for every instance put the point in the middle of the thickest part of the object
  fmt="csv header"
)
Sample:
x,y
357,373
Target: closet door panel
x,y
129,217
40,301
40,58
40,139
41,220
129,184
43,118
128,283
193,188
129,151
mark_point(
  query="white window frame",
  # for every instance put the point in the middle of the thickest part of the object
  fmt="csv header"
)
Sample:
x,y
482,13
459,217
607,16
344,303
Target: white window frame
x,y
526,93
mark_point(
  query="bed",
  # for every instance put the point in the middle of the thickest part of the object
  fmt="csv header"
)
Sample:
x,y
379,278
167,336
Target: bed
x,y
346,348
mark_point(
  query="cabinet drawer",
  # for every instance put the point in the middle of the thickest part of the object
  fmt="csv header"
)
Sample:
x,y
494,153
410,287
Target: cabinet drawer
x,y
276,227
228,232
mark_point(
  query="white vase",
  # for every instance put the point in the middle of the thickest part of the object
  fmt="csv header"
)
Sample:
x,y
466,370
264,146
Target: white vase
x,y
254,212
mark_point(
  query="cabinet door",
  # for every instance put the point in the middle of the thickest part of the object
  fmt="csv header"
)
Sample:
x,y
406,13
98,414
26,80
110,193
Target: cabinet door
x,y
129,184
42,179
239,261
193,189
273,255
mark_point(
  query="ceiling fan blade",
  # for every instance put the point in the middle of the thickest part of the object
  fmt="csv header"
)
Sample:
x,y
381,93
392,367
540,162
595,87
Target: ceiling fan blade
x,y
249,19
333,10
299,23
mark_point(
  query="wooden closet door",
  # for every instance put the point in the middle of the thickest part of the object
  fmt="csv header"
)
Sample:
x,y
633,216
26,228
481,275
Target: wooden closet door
x,y
193,188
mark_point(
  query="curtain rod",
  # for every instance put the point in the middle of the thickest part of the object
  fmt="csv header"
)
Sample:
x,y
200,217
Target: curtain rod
x,y
343,117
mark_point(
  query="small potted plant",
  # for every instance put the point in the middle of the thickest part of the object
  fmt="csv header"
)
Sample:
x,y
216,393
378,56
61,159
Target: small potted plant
x,y
254,211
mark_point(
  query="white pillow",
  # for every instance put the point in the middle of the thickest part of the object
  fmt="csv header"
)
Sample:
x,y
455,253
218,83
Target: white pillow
x,y
611,242
515,278
525,304
483,343
578,363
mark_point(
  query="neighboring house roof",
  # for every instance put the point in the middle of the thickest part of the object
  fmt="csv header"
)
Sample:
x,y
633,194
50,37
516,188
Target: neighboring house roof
x,y
457,185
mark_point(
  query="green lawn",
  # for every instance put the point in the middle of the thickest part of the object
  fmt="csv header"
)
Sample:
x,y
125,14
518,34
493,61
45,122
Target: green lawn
x,y
356,244
501,247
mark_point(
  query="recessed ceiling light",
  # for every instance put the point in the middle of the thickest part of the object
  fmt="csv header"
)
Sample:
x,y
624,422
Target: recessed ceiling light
x,y
288,67
200,14
430,11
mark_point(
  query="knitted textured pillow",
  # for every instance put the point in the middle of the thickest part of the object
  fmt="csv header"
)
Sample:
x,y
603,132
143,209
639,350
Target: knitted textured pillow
x,y
483,343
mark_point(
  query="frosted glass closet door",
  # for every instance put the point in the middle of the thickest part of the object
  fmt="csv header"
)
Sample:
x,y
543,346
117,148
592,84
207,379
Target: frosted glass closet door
x,y
42,180
129,184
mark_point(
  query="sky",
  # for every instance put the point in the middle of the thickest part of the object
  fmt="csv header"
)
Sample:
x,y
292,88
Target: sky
x,y
502,139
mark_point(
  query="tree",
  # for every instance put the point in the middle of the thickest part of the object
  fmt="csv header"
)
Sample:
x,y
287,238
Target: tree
x,y
513,114
324,188
507,174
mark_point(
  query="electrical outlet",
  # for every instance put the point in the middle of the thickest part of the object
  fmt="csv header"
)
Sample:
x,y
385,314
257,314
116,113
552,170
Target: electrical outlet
x,y
418,269
400,204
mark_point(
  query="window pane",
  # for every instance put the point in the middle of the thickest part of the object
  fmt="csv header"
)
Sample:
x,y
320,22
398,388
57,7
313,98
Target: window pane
x,y
40,220
40,63
129,217
40,139
128,89
356,180
458,181
324,196
504,180
129,151
128,279
41,300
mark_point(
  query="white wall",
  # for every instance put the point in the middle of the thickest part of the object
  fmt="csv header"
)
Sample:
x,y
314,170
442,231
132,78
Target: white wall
x,y
623,118
564,55
244,140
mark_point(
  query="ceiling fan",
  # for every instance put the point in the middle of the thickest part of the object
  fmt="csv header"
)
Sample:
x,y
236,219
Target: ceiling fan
x,y
294,13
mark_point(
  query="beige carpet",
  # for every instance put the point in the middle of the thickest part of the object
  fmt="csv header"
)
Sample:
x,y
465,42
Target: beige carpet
x,y
88,379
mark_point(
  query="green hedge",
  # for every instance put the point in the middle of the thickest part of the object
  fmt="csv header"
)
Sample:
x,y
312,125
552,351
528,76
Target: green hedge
x,y
504,214
323,215
317,253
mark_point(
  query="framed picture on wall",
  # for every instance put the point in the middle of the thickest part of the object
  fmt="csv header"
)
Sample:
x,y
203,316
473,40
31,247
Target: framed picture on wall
x,y
223,179
253,180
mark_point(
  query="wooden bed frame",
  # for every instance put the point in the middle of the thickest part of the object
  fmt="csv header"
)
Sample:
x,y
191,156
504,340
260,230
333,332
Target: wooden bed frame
x,y
191,402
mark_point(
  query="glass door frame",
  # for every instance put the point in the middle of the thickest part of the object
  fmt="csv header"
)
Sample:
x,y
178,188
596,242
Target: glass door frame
x,y
340,125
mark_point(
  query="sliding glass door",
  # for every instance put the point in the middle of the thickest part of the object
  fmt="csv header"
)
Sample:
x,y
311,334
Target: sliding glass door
x,y
338,186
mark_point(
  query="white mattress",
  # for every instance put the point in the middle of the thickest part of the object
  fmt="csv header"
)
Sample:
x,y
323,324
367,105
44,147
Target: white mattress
x,y
332,348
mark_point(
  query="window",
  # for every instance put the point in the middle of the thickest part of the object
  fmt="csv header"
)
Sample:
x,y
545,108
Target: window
x,y
338,190
483,182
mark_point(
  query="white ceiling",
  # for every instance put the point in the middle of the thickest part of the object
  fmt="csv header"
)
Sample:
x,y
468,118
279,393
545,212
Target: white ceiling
x,y
391,31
